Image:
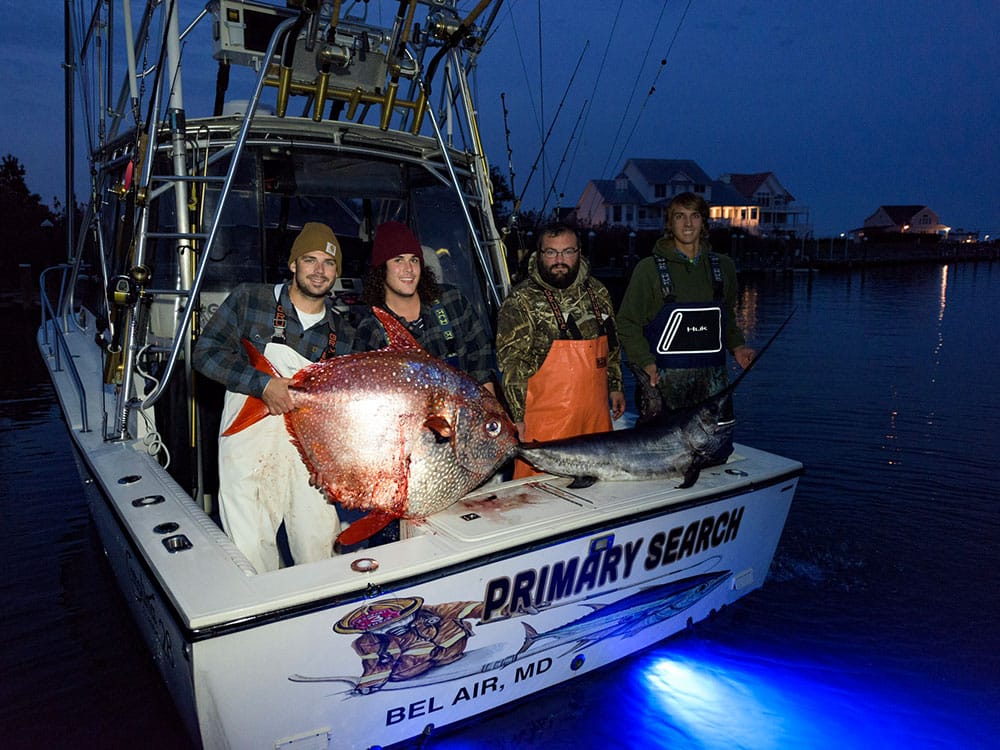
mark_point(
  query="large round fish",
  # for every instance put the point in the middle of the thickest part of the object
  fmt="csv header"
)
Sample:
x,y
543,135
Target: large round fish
x,y
395,431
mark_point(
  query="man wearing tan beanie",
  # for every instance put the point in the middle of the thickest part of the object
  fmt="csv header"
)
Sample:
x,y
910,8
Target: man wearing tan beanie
x,y
262,481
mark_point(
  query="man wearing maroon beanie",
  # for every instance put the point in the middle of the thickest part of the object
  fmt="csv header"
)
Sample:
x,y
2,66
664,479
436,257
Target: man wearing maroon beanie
x,y
439,316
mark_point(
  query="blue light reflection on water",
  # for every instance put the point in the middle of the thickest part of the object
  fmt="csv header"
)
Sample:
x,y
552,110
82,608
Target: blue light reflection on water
x,y
715,699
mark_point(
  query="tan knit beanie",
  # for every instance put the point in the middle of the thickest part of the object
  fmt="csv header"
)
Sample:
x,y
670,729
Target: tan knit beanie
x,y
315,236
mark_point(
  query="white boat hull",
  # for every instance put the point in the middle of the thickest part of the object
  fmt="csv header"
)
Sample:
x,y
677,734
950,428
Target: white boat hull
x,y
515,588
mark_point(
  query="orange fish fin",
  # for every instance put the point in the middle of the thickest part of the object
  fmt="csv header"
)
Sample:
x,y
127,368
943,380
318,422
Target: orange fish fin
x,y
365,527
252,412
399,338
440,426
258,360
254,409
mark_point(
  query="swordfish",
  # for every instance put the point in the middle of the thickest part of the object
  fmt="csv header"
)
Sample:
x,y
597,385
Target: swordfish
x,y
676,444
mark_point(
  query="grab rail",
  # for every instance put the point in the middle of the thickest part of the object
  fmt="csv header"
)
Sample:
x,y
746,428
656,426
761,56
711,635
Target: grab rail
x,y
241,139
48,313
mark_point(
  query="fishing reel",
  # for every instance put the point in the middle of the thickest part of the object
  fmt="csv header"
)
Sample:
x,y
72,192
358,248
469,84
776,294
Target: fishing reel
x,y
123,292
124,289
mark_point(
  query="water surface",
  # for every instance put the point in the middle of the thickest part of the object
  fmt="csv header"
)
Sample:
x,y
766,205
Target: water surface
x,y
877,626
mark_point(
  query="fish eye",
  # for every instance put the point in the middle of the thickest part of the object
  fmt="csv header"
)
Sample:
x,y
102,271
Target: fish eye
x,y
493,427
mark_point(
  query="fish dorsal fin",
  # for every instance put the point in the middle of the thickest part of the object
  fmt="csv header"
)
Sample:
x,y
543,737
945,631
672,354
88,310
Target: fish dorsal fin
x,y
399,338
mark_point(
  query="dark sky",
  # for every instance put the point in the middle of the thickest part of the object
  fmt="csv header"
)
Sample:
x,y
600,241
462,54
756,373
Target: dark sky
x,y
851,104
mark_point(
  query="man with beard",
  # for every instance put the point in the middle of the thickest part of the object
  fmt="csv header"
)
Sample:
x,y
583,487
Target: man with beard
x,y
262,481
557,347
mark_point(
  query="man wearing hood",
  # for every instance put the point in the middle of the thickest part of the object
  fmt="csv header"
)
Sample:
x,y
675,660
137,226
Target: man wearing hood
x,y
557,347
678,315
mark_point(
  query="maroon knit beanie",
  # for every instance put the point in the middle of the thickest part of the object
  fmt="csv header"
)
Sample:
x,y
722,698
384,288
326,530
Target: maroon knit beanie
x,y
392,239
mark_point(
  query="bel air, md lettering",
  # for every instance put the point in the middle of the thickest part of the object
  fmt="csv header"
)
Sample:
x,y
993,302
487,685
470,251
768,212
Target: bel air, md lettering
x,y
536,588
478,689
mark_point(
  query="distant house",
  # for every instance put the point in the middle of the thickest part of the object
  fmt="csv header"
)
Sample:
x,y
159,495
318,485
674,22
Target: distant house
x,y
914,219
763,206
638,196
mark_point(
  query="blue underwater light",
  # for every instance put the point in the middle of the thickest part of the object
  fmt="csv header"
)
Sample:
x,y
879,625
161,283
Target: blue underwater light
x,y
703,696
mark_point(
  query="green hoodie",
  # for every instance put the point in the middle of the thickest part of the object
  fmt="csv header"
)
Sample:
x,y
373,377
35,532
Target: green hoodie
x,y
691,281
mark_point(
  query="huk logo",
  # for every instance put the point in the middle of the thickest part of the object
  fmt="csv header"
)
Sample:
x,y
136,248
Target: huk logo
x,y
697,329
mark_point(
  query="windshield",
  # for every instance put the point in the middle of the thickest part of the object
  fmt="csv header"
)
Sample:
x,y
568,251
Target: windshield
x,y
277,190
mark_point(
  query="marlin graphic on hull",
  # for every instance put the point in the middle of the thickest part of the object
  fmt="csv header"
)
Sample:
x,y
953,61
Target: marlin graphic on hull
x,y
625,617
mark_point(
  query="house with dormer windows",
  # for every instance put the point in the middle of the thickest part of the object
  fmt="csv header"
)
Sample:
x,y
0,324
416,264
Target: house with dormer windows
x,y
638,196
774,211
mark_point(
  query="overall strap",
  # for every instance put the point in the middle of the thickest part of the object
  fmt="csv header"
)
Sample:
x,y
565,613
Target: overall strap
x,y
444,323
717,286
279,324
564,329
666,284
331,345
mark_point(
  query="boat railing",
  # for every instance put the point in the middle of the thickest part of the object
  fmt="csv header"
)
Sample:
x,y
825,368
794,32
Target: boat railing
x,y
186,294
59,348
185,323
494,286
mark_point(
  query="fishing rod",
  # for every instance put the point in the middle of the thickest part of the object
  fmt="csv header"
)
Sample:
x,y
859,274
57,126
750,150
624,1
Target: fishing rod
x,y
510,156
652,87
545,140
572,135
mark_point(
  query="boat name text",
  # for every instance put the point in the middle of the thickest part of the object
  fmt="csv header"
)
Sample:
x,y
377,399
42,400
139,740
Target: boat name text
x,y
533,589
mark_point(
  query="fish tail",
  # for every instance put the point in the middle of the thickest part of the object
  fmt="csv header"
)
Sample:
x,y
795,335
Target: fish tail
x,y
365,527
254,409
252,412
259,361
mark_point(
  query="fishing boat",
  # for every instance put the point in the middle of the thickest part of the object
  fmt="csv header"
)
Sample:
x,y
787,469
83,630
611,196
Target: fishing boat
x,y
351,117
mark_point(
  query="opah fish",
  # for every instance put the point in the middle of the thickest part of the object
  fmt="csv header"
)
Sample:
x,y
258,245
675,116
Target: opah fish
x,y
393,431
675,444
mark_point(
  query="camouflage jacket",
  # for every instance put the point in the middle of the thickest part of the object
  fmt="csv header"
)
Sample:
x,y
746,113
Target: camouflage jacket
x,y
527,326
